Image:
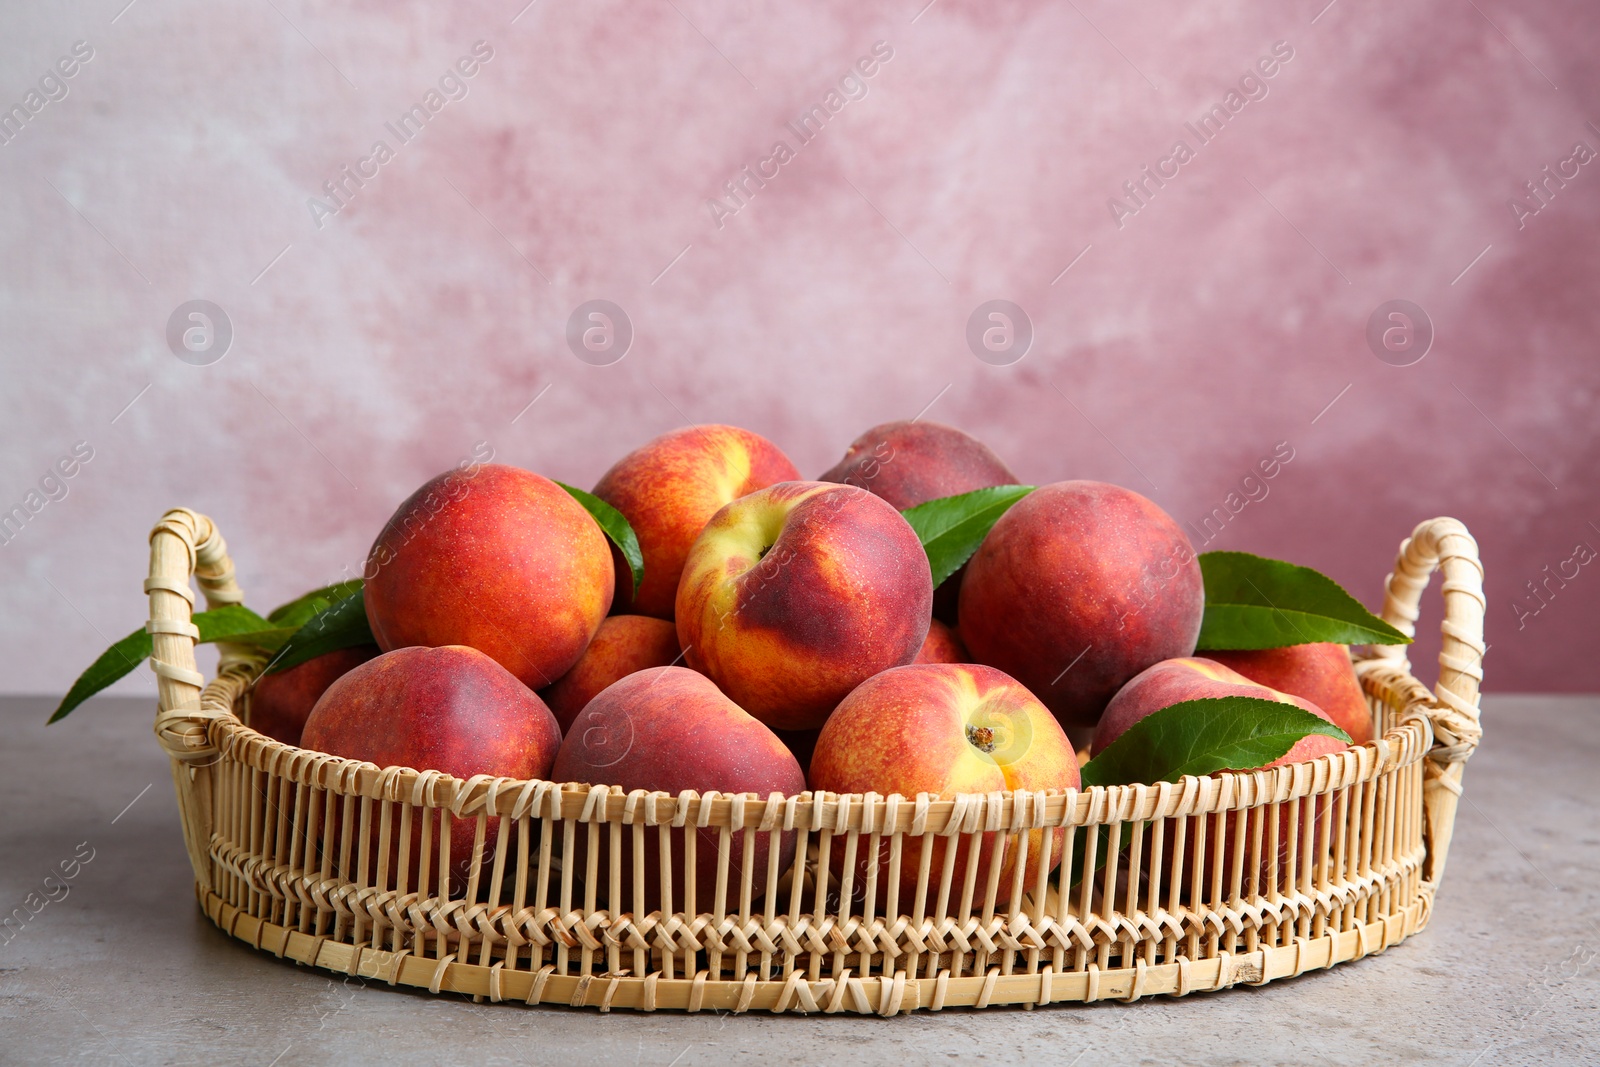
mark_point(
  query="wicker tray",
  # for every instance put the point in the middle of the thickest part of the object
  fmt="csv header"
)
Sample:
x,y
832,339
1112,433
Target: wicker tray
x,y
1326,861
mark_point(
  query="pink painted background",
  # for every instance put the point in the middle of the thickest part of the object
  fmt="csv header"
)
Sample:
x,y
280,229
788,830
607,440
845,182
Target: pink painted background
x,y
423,317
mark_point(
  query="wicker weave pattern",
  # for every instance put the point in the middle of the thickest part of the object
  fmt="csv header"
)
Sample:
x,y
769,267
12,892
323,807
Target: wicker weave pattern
x,y
1195,885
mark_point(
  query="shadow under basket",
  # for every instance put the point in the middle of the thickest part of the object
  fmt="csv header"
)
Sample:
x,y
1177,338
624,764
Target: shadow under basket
x,y
1198,884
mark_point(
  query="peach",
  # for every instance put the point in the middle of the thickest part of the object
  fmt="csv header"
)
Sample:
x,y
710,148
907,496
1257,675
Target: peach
x,y
622,645
943,728
1321,673
279,703
1079,587
450,709
668,489
493,557
1176,680
910,463
669,729
794,595
943,645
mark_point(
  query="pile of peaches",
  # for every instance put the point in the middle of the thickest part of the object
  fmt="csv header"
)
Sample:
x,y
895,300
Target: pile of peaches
x,y
783,634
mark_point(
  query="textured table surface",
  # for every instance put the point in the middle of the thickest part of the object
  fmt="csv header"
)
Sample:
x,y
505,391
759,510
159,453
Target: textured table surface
x,y
125,968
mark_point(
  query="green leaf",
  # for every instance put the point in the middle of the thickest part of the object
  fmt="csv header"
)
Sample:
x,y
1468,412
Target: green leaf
x,y
1204,736
1253,602
236,624
115,662
299,611
340,625
269,639
232,623
616,527
952,527
284,621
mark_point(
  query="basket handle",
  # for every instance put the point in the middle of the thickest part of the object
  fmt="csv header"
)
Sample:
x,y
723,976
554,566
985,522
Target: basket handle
x,y
1442,544
185,545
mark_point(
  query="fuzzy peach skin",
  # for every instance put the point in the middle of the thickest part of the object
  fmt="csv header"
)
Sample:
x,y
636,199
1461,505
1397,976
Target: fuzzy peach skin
x,y
279,703
943,645
671,729
1080,586
794,595
1174,681
1321,673
667,490
622,645
497,558
450,709
943,729
910,463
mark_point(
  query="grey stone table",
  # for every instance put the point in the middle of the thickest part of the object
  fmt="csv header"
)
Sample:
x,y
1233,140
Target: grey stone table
x,y
125,969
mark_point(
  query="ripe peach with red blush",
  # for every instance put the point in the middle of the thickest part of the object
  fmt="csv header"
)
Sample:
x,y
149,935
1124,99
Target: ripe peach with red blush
x,y
496,558
1077,588
794,595
943,729
450,709
669,487
943,645
622,645
669,729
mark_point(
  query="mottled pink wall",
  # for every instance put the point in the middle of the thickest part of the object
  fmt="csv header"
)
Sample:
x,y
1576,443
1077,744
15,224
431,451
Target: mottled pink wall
x,y
1182,346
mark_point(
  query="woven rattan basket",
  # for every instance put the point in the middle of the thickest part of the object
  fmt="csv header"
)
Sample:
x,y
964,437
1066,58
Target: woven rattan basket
x,y
1205,883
